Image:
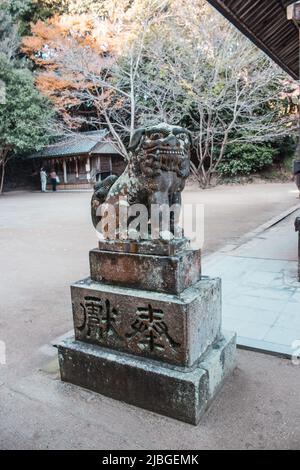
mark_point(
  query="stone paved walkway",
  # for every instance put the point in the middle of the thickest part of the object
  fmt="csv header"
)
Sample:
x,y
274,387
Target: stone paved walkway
x,y
261,295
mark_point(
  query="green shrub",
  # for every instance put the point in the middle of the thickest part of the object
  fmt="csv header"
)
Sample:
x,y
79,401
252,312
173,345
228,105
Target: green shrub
x,y
245,159
287,149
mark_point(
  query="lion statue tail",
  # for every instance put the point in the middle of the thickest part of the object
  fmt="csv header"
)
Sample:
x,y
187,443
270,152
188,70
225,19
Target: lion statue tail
x,y
101,191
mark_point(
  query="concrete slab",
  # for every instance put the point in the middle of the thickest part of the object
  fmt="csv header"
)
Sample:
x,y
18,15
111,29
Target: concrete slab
x,y
262,275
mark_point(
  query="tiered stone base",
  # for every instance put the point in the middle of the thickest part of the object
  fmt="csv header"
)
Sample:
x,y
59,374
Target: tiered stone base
x,y
179,392
177,329
148,329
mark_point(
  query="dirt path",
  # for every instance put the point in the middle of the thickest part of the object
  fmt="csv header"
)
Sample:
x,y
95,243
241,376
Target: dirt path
x,y
44,244
232,211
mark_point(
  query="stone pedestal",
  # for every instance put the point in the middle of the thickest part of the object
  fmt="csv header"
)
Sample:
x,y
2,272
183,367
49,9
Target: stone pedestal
x,y
148,330
169,274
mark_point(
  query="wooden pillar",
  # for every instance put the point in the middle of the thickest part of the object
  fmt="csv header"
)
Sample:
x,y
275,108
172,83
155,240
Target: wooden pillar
x,y
88,168
65,171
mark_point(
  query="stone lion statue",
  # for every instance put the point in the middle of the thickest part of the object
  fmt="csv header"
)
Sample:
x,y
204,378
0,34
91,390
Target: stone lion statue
x,y
158,166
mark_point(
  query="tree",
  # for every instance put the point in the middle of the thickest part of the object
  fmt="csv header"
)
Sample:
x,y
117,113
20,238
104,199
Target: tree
x,y
9,38
88,65
150,62
24,114
63,39
224,89
103,8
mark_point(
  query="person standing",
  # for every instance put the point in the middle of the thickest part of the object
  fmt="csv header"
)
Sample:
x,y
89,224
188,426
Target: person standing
x,y
54,179
43,176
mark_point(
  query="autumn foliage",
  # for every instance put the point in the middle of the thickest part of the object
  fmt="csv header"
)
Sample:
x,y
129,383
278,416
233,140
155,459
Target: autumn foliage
x,y
98,41
120,64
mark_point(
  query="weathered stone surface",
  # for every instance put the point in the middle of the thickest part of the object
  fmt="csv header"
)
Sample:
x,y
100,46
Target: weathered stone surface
x,y
170,274
147,326
158,167
146,247
176,329
219,362
177,392
297,227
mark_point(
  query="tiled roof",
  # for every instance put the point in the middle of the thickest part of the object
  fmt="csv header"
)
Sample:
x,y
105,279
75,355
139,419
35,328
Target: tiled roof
x,y
75,144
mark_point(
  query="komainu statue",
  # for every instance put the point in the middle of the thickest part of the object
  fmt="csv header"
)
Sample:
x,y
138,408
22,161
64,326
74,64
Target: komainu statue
x,y
158,166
